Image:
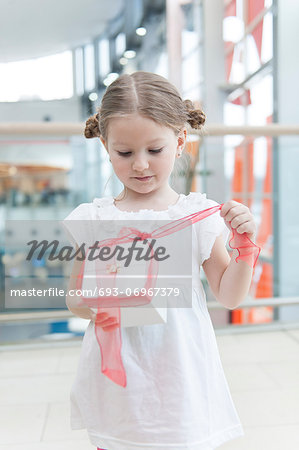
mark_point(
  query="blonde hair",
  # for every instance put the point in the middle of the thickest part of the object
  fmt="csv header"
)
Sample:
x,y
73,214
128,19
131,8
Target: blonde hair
x,y
149,95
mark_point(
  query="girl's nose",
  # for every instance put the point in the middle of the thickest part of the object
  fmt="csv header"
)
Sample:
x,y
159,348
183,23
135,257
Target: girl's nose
x,y
140,164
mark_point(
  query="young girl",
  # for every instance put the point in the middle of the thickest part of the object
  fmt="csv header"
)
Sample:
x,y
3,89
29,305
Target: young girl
x,y
176,395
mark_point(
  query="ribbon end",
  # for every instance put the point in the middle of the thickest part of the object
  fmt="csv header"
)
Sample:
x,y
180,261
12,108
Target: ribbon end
x,y
117,376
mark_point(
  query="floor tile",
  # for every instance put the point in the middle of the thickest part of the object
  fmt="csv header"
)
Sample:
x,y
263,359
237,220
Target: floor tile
x,y
285,374
58,424
263,438
22,423
271,346
35,389
29,362
244,377
267,407
262,370
294,334
68,361
57,445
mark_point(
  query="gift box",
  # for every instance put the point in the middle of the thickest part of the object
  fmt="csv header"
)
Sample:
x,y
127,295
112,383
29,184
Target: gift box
x,y
126,277
154,311
137,316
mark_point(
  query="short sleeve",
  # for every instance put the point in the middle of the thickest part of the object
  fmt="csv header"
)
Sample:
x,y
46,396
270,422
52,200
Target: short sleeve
x,y
209,229
77,225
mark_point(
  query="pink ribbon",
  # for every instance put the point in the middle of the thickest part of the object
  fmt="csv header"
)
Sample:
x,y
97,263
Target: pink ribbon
x,y
110,342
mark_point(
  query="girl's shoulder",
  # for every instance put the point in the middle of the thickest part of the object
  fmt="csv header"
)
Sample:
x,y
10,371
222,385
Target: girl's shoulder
x,y
200,199
86,211
103,202
81,212
194,202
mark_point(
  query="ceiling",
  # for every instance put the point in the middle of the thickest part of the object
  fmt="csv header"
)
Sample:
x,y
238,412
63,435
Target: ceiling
x,y
35,28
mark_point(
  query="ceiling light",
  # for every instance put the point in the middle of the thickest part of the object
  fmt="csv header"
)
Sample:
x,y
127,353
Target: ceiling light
x,y
110,78
93,96
141,31
129,54
123,61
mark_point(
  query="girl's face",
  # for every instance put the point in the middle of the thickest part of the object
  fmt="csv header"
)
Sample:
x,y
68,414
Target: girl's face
x,y
139,147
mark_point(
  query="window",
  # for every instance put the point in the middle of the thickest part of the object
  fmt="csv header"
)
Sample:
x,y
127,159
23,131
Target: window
x,y
46,78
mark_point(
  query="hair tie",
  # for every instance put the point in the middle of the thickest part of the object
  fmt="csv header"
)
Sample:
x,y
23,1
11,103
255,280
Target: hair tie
x,y
196,117
92,127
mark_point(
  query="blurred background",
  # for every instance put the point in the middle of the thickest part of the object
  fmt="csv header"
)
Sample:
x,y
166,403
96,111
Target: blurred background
x,y
236,59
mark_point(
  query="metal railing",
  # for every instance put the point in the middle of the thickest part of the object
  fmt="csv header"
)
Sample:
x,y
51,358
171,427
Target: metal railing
x,y
75,129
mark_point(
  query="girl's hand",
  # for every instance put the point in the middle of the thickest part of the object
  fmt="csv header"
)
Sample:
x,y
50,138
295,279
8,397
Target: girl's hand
x,y
105,321
238,216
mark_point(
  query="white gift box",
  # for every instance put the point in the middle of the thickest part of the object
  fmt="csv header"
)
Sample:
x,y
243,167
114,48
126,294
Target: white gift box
x,y
141,315
153,312
135,277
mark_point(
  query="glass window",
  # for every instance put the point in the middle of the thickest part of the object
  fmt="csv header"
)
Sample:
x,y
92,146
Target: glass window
x,y
190,71
192,50
237,73
192,33
46,78
79,71
261,101
89,67
120,44
162,68
252,55
233,29
194,94
104,57
267,42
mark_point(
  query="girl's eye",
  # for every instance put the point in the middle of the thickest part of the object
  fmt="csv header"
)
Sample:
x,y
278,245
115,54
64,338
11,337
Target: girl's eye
x,y
157,151
124,153
128,153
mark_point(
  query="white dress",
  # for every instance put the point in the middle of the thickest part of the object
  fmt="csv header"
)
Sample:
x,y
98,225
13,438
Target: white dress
x,y
177,396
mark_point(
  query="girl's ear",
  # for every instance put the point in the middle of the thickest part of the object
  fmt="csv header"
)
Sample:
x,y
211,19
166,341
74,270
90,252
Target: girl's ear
x,y
182,137
104,142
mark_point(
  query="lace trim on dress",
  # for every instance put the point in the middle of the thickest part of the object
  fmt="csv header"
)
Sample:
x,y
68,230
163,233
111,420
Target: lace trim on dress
x,y
186,204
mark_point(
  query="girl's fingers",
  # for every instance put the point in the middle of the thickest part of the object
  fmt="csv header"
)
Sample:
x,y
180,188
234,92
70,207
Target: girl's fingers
x,y
239,220
107,322
103,319
235,212
111,327
246,227
96,317
228,206
101,316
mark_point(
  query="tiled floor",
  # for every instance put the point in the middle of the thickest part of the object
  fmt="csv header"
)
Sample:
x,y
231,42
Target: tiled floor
x,y
262,370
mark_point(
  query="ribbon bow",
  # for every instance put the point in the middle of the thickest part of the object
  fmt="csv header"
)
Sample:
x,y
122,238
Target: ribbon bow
x,y
144,236
110,341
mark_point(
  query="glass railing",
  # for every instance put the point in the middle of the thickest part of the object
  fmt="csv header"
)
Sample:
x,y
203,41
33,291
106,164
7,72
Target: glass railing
x,y
48,169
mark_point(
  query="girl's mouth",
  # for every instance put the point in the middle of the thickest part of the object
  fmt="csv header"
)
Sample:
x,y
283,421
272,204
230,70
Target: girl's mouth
x,y
143,178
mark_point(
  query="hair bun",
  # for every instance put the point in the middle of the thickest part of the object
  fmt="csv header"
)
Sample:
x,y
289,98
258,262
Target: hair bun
x,y
92,127
196,117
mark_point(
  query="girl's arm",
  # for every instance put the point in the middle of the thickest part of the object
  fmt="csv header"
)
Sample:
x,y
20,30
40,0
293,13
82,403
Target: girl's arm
x,y
74,302
230,280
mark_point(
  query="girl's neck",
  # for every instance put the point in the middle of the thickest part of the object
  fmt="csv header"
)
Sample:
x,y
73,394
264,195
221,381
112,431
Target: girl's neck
x,y
157,200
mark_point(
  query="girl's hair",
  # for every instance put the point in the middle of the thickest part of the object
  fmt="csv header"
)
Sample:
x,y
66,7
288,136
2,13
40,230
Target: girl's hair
x,y
149,95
